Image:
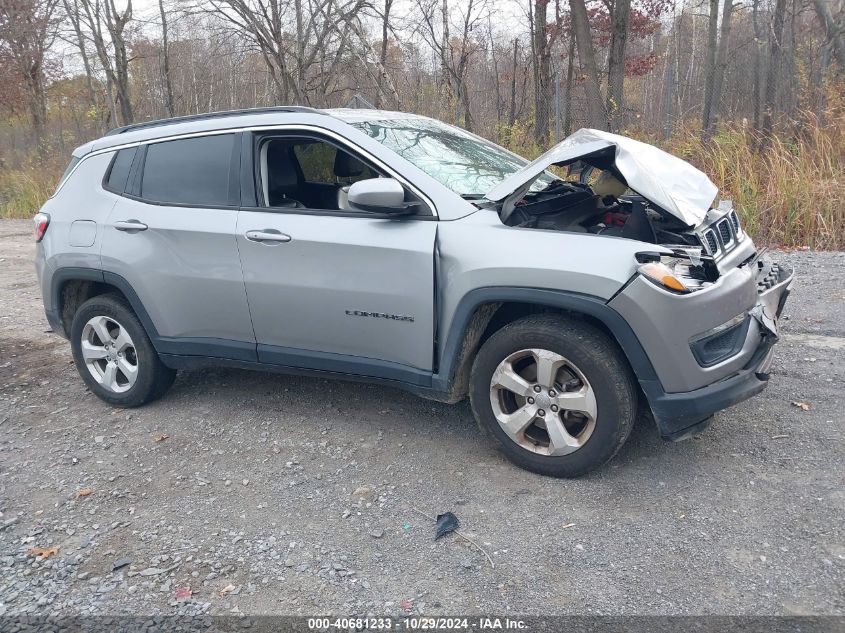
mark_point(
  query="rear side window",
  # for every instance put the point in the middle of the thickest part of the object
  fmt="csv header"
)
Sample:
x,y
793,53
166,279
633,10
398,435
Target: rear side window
x,y
191,171
119,170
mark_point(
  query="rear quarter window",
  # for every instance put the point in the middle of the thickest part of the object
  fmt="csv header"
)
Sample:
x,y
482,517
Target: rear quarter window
x,y
193,171
118,171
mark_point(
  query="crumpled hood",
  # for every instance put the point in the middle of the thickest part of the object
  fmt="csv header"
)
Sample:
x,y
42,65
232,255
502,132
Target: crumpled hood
x,y
669,182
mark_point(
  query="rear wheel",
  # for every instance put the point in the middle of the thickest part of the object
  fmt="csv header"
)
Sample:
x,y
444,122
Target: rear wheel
x,y
556,393
114,355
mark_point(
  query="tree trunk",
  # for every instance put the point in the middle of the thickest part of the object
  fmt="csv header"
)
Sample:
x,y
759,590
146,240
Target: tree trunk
x,y
616,63
833,32
543,74
758,61
774,68
710,71
597,115
385,26
165,62
567,95
512,112
721,66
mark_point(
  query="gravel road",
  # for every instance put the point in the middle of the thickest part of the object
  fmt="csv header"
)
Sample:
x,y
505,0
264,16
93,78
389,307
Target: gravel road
x,y
266,494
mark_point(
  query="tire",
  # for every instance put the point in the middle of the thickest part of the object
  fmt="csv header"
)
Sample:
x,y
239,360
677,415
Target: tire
x,y
589,374
108,343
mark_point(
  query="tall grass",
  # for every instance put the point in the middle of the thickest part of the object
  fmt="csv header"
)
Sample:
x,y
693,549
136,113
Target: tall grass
x,y
790,191
24,189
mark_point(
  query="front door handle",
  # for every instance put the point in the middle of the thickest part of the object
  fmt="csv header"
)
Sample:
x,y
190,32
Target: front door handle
x,y
130,225
267,235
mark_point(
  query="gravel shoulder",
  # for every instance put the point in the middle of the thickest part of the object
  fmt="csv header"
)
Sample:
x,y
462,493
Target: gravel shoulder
x,y
243,492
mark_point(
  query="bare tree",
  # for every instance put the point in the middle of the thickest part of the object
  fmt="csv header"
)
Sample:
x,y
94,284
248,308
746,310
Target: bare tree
x,y
596,113
712,99
27,31
106,26
385,31
710,74
165,62
834,33
72,13
542,71
454,56
774,68
299,42
616,62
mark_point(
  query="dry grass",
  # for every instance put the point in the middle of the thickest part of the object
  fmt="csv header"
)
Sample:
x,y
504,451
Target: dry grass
x,y
789,191
23,190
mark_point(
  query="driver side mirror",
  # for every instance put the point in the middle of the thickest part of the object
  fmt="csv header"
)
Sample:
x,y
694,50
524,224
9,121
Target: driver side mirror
x,y
380,195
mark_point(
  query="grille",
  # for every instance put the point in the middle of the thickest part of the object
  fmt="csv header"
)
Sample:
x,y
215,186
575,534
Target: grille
x,y
725,232
723,235
711,242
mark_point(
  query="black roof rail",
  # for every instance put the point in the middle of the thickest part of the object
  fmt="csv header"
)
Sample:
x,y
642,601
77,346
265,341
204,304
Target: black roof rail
x,y
209,115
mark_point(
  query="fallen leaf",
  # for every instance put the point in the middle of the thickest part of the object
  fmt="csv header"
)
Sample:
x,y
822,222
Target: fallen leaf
x,y
568,525
161,437
84,492
43,552
804,406
182,593
406,605
226,589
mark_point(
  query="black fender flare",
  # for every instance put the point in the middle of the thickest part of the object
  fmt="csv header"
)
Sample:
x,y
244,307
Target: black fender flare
x,y
450,357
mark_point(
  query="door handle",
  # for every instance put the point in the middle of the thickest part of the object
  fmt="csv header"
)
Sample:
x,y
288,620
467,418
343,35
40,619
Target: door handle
x,y
267,235
130,225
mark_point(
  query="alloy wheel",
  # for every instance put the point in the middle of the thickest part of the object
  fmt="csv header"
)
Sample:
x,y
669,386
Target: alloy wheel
x,y
543,402
109,354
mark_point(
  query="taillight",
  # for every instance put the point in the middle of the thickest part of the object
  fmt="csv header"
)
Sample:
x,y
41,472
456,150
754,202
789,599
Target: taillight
x,y
42,221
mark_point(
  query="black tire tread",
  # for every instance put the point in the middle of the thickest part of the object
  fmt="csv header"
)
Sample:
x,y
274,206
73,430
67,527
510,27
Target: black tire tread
x,y
589,342
152,384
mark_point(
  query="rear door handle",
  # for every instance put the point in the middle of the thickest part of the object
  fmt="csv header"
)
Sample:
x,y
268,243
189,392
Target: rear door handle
x,y
267,235
130,225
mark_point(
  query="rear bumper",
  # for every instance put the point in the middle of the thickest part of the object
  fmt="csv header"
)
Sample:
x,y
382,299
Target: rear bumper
x,y
681,414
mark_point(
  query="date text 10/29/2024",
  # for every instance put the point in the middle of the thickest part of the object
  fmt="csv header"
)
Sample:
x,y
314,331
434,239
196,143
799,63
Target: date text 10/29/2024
x,y
417,624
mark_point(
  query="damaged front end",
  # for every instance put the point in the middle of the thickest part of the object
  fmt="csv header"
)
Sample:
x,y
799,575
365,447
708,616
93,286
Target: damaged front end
x,y
704,303
631,190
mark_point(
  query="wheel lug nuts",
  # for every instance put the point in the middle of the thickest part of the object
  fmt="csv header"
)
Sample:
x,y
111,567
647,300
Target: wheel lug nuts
x,y
530,400
552,393
541,413
554,408
537,388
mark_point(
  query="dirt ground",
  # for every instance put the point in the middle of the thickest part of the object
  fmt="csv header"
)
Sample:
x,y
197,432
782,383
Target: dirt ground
x,y
242,492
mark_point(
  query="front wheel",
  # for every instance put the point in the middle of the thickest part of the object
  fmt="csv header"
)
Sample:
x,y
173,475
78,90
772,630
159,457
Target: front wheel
x,y
114,355
556,393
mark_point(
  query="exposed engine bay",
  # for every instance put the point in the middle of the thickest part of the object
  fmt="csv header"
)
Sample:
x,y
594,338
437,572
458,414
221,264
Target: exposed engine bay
x,y
606,206
602,208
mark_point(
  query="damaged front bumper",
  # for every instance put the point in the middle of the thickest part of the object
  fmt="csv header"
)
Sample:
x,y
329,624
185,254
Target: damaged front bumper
x,y
682,414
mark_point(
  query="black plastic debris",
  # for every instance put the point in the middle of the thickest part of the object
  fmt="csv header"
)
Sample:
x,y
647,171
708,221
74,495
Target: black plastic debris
x,y
446,522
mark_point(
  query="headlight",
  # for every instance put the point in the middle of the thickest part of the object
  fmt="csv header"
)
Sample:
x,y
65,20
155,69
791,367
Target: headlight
x,y
663,276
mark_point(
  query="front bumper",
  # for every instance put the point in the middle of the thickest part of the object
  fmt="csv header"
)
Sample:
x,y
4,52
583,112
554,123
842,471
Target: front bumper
x,y
681,414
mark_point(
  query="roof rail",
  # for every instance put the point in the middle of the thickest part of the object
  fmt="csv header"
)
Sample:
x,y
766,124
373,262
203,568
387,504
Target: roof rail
x,y
209,115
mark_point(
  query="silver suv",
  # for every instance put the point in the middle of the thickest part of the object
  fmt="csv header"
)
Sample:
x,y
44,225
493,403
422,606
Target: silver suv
x,y
562,296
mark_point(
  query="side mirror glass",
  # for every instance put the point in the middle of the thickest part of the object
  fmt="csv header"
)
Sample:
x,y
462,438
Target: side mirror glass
x,y
380,195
